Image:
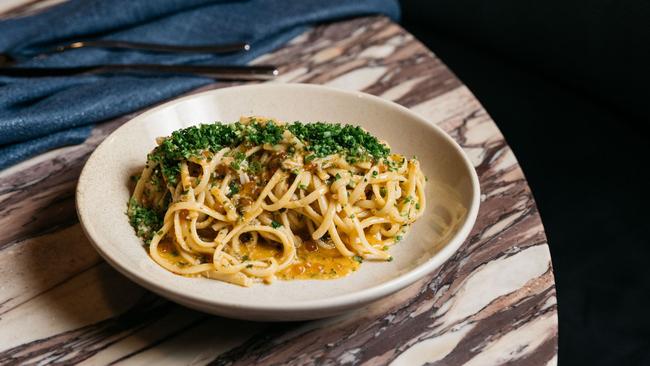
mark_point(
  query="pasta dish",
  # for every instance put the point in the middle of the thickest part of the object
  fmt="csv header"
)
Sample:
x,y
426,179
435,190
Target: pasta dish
x,y
261,199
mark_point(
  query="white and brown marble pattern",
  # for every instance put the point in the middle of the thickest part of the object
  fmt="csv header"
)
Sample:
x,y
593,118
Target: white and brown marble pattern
x,y
492,303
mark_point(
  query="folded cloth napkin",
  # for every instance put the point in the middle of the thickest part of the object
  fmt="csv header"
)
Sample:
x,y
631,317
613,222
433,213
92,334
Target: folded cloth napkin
x,y
39,114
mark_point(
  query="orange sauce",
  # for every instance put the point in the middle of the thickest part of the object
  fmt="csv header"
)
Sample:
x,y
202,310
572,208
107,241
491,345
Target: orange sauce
x,y
315,262
312,261
168,251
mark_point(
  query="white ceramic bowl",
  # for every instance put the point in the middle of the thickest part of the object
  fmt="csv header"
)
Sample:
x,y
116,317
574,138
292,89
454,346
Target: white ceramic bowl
x,y
102,194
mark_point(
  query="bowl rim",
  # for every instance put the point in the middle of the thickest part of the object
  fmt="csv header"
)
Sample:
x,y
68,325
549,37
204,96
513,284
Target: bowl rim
x,y
338,301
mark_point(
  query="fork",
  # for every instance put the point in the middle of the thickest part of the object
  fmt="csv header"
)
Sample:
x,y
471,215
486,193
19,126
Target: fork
x,y
7,59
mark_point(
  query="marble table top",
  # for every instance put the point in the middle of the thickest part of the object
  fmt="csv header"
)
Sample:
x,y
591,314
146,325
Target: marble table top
x,y
494,302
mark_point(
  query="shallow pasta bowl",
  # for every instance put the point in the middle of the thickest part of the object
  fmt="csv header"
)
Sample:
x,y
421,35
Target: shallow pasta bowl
x,y
452,195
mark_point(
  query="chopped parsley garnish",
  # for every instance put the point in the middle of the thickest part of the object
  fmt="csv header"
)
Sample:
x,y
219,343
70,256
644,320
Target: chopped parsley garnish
x,y
260,133
398,238
375,173
244,258
392,165
325,139
145,221
234,188
192,141
171,172
320,140
302,186
337,176
239,158
254,167
417,206
275,224
358,258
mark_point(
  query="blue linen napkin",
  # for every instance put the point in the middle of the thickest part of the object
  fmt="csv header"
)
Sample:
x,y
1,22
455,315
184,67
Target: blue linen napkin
x,y
39,114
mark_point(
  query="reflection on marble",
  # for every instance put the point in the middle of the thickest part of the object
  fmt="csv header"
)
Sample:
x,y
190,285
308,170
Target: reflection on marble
x,y
492,303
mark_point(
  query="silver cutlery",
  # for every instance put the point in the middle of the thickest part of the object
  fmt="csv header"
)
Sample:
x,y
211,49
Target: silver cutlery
x,y
254,72
7,59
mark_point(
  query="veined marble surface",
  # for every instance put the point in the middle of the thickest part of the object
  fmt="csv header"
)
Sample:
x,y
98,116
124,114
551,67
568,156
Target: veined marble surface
x,y
492,303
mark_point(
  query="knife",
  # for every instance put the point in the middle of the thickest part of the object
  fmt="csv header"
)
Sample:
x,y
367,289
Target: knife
x,y
255,72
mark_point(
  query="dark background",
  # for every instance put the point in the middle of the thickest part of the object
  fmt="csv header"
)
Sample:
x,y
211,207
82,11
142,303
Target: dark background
x,y
567,83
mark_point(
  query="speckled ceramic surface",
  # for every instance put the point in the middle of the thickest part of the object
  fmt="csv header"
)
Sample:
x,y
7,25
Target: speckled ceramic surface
x,y
492,303
452,191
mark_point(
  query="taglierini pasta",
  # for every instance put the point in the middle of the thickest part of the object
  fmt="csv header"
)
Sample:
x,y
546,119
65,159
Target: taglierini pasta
x,y
261,199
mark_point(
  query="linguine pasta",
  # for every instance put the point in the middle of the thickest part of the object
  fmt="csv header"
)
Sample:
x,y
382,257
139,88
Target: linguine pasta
x,y
261,199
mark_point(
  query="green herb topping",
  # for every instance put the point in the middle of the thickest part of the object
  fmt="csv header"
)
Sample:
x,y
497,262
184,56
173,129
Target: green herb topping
x,y
145,221
239,157
254,167
325,139
320,140
234,188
